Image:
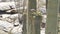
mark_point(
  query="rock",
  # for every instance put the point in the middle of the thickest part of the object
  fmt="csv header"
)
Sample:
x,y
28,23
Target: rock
x,y
2,32
6,25
8,21
6,5
43,9
17,29
42,31
5,15
44,17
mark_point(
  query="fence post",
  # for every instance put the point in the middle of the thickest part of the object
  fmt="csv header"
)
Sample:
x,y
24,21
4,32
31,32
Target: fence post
x,y
52,9
33,23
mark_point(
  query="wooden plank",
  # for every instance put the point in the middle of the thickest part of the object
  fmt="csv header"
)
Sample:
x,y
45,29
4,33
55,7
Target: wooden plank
x,y
31,27
33,23
51,25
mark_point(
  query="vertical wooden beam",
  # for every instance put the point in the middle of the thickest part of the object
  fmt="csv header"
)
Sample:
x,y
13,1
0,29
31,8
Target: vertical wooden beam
x,y
24,24
31,27
59,6
38,21
33,23
59,17
51,25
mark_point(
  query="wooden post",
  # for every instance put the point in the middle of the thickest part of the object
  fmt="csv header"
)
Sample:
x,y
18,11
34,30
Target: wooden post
x,y
31,27
52,9
38,21
33,23
59,17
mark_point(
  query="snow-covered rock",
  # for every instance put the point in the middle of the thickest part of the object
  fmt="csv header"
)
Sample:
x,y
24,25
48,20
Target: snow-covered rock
x,y
5,15
17,29
44,17
43,9
5,25
6,5
42,31
8,21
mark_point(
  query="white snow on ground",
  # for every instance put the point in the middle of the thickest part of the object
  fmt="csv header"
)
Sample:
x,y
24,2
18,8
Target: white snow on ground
x,y
17,30
9,26
44,17
42,31
43,9
5,25
6,5
5,15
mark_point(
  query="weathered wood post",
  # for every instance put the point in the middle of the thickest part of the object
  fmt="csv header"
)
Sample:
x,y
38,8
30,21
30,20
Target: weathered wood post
x,y
33,26
59,17
31,8
52,9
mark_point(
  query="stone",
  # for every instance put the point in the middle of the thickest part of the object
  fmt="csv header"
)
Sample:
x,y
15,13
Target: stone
x,y
7,24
